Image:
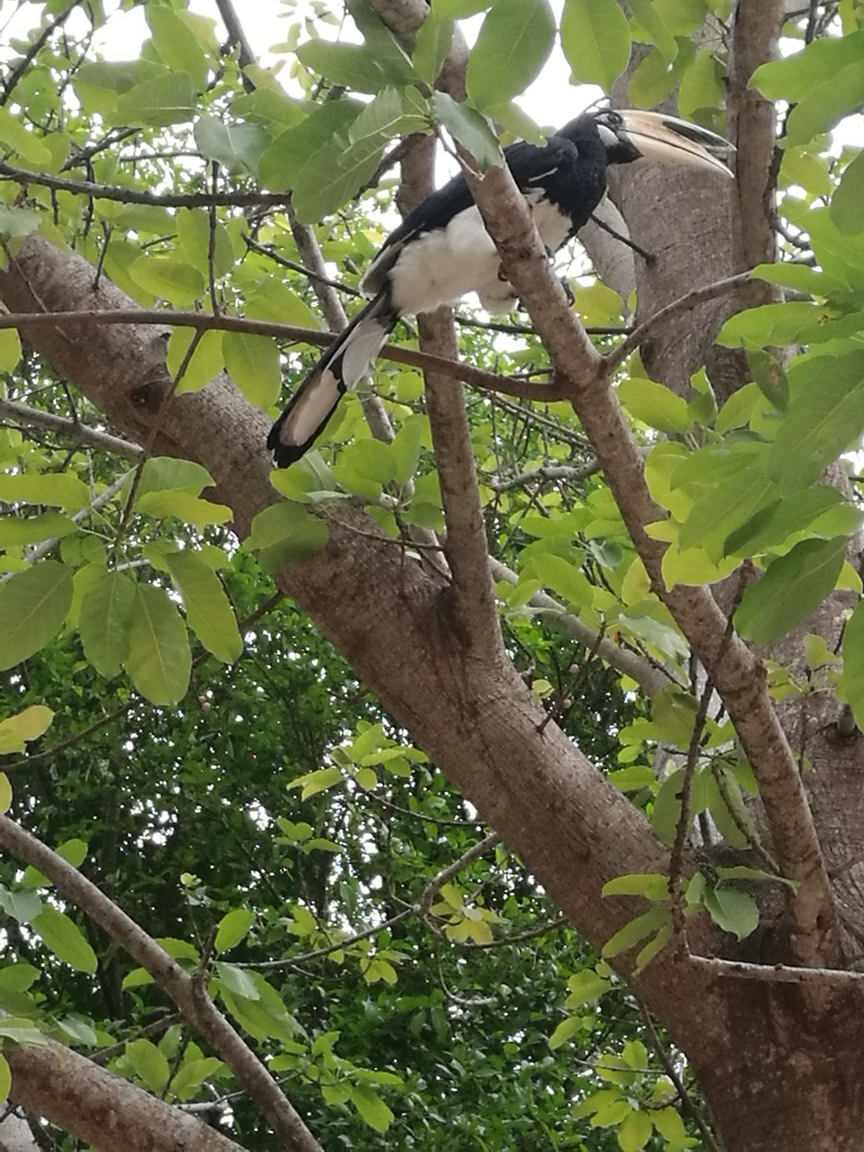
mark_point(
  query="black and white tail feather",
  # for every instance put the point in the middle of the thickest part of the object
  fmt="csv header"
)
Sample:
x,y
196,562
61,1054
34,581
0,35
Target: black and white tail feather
x,y
340,369
442,251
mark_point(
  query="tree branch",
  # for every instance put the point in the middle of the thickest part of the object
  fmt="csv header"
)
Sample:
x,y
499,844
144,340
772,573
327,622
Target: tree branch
x,y
200,1011
737,674
27,417
104,1110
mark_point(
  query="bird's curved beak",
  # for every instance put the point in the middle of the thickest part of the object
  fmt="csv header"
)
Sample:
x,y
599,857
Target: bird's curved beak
x,y
656,136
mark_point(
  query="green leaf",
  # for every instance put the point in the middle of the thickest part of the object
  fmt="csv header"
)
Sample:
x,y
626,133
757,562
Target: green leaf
x,y
669,1124
847,206
431,45
595,37
651,21
651,885
5,1078
149,1063
33,606
826,105
168,99
237,980
192,1074
514,43
159,660
177,44
60,488
701,85
774,524
253,364
793,587
206,362
233,927
635,1131
104,621
725,507
350,65
15,530
562,577
732,909
15,134
796,76
853,663
406,447
636,930
314,782
286,533
371,1107
237,147
283,162
15,222
24,726
208,610
65,939
654,405
193,235
184,507
169,278
564,1031
5,793
471,129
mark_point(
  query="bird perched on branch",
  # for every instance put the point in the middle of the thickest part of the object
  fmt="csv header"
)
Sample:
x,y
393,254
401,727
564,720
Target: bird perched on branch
x,y
442,251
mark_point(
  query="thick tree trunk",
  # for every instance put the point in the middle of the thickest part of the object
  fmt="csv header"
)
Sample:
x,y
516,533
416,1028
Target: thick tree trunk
x,y
781,1064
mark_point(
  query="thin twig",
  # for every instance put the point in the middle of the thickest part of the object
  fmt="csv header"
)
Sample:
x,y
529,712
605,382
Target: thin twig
x,y
34,50
677,855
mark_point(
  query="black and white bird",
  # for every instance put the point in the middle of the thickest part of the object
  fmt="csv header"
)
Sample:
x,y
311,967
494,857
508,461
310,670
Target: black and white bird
x,y
442,251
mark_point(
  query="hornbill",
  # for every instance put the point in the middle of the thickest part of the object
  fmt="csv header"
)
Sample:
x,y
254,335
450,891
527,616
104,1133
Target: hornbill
x,y
442,250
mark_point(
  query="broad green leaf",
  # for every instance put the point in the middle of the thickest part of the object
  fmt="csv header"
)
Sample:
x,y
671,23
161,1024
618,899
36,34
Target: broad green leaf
x,y
23,726
796,76
731,816
208,610
654,405
650,20
336,173
514,42
648,951
22,904
237,980
18,977
104,621
826,415
233,927
669,1124
701,85
171,474
653,79
635,1131
584,987
192,1074
853,663
193,235
431,45
168,99
60,488
33,606
271,109
726,506
282,163
65,939
827,104
732,909
774,524
351,65
768,324
314,782
563,578
150,1065
847,206
17,136
169,278
207,360
651,885
635,930
793,587
471,129
237,147
565,1031
253,364
285,533
406,447
459,9
159,660
371,1107
18,530
5,791
15,222
595,37
177,44
682,17
184,507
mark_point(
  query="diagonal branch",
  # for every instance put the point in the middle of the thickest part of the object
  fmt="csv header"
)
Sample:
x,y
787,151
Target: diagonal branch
x,y
738,675
195,1005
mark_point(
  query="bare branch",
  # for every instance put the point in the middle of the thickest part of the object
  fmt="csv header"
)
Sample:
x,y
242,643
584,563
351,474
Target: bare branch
x,y
26,417
102,1109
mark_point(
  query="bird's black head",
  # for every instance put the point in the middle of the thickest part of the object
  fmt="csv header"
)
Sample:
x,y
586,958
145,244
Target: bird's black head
x,y
637,135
